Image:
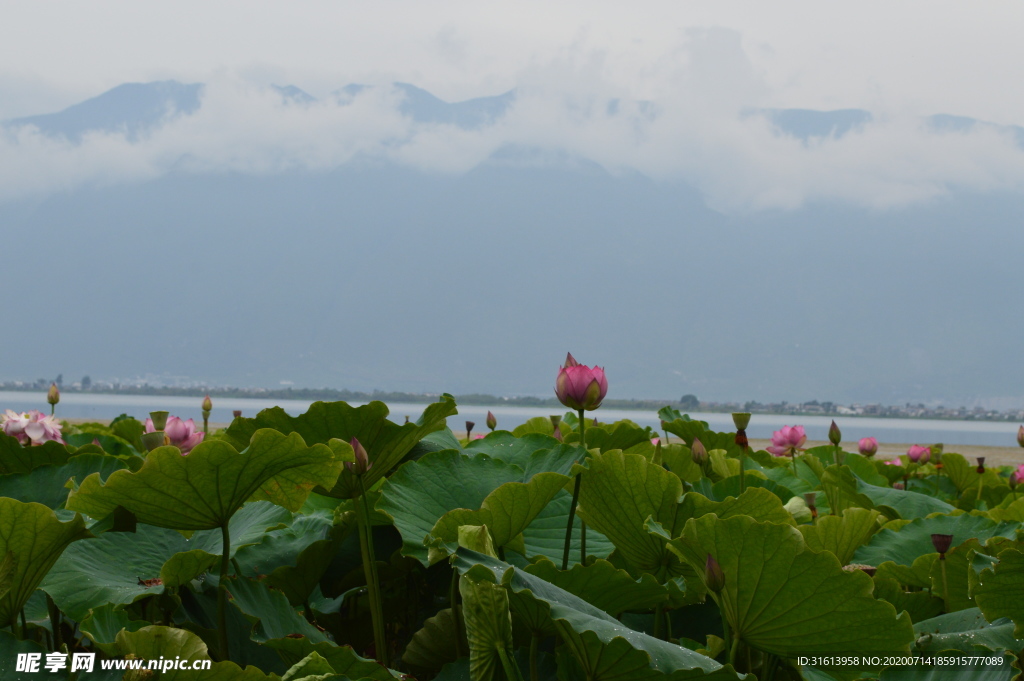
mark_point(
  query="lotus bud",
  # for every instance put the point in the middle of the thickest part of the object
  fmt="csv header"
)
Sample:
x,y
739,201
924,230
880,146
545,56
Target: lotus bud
x,y
237,413
981,465
741,420
469,429
868,446
53,396
1017,477
362,462
714,577
810,498
698,453
1020,436
919,454
159,419
834,434
207,403
941,543
580,387
492,422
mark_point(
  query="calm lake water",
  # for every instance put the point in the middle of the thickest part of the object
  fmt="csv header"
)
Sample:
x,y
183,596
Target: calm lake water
x,y
105,407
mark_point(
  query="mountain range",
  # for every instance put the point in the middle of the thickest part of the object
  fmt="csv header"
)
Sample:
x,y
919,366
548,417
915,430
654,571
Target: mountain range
x,y
377,274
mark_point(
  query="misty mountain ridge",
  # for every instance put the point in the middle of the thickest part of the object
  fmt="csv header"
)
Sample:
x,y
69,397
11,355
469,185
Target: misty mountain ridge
x,y
137,109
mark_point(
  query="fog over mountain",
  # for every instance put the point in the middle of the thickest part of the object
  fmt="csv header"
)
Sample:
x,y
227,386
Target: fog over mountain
x,y
377,236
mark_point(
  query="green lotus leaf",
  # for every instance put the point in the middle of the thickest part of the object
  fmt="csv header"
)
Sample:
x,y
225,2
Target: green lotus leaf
x,y
955,589
757,502
603,585
182,568
967,631
680,461
999,590
103,624
277,618
386,442
342,659
965,475
1012,509
298,578
485,610
506,511
783,599
691,430
546,534
10,647
841,535
503,446
619,492
33,535
433,646
861,466
16,458
419,493
312,667
920,605
916,575
45,484
619,435
154,643
202,490
121,567
848,490
913,540
600,644
730,487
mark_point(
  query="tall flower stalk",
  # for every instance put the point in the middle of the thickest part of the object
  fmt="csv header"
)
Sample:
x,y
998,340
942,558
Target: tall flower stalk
x,y
365,528
741,420
581,388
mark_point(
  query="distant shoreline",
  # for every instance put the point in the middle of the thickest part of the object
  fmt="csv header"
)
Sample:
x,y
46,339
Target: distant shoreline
x,y
484,400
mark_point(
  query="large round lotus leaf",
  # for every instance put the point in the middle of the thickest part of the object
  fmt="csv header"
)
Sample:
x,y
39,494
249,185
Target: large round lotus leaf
x,y
503,446
618,493
999,590
45,484
781,598
604,586
103,624
16,458
485,611
386,442
422,491
277,618
920,605
967,631
31,541
914,539
603,647
202,490
121,567
546,534
841,536
154,643
506,511
845,490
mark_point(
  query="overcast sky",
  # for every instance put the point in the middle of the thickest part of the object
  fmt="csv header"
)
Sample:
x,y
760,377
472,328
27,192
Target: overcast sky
x,y
919,57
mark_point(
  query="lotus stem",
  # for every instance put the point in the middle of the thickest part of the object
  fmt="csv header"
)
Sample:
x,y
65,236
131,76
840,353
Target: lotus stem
x,y
726,638
370,572
658,622
222,593
583,541
453,599
575,500
508,663
54,613
733,650
945,583
534,643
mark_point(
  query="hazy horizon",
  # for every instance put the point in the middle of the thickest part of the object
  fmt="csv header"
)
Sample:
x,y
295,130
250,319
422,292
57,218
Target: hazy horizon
x,y
731,200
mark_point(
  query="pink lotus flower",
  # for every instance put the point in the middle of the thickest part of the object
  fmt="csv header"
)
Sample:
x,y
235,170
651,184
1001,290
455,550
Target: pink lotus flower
x,y
181,434
892,462
580,387
868,446
1018,475
655,441
31,427
919,454
787,441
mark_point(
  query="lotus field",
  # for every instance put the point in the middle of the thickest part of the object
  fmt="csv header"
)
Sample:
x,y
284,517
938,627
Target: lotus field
x,y
338,544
